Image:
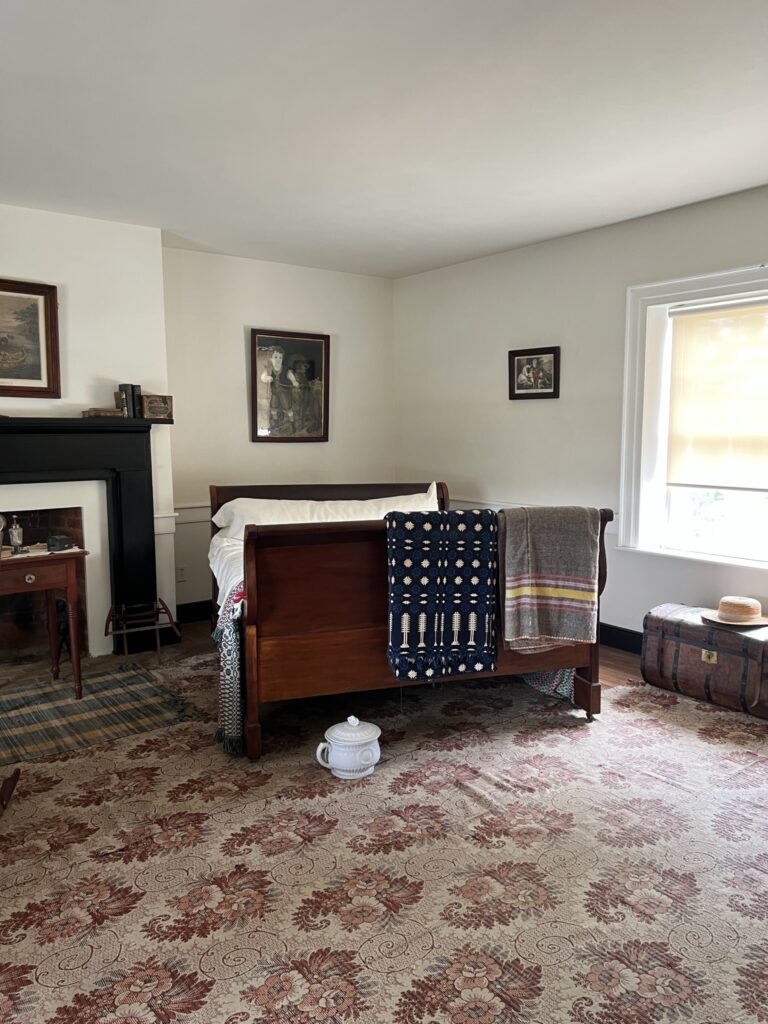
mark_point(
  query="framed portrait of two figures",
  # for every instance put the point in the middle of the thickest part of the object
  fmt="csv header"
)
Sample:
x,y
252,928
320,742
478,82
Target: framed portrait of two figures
x,y
289,385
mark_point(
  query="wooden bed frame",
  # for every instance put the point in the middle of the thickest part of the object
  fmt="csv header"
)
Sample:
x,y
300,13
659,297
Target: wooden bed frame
x,y
316,616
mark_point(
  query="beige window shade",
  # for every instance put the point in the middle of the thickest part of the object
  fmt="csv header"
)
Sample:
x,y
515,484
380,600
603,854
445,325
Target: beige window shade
x,y
718,419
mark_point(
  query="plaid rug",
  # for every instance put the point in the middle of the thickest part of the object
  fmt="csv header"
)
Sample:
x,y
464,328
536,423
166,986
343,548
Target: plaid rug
x,y
41,718
557,683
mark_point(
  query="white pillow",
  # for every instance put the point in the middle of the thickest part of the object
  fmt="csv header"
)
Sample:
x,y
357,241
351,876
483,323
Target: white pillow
x,y
234,516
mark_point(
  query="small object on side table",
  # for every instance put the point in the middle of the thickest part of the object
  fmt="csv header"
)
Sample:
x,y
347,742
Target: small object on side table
x,y
59,542
16,535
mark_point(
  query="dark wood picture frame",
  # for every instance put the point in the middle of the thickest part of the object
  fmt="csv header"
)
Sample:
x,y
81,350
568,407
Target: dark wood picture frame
x,y
157,407
534,372
47,345
289,392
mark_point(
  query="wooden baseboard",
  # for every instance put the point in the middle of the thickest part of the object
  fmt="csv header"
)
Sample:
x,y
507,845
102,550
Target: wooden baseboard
x,y
622,639
194,611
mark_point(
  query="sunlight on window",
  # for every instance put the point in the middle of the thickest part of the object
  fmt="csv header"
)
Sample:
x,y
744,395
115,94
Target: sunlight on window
x,y
724,523
695,444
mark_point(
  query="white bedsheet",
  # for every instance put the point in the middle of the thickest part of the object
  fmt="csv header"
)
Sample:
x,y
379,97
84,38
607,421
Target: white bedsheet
x,y
225,557
226,554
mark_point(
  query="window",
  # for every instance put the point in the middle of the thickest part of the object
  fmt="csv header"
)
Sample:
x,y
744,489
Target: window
x,y
695,451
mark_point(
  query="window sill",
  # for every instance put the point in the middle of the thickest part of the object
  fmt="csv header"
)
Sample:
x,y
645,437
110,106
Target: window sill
x,y
697,556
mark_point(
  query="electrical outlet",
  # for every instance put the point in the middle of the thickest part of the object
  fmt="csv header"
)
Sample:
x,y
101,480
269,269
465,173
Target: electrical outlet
x,y
181,574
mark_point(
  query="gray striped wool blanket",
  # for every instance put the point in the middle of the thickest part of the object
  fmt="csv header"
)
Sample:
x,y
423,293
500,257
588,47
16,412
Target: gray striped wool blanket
x,y
548,576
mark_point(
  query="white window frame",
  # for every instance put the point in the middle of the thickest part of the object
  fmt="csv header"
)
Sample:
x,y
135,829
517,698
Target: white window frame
x,y
642,300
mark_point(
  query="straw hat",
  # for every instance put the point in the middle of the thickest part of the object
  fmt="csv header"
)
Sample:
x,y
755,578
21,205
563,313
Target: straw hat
x,y
736,611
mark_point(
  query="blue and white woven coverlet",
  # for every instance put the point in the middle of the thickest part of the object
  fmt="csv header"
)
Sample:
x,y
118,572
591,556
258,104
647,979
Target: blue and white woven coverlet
x,y
442,593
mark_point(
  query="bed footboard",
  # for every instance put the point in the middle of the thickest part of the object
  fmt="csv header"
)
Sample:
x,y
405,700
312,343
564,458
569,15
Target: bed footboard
x,y
316,619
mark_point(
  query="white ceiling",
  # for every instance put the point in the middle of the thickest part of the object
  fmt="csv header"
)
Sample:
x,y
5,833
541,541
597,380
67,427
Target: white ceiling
x,y
379,136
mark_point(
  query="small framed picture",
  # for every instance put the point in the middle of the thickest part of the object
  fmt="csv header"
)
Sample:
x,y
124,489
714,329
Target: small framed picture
x,y
289,385
157,407
534,372
29,340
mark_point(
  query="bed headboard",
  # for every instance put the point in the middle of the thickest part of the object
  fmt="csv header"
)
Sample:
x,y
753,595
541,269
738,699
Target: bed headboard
x,y
220,495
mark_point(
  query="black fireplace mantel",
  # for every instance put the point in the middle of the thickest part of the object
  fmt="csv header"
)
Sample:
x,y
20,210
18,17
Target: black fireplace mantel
x,y
76,424
49,449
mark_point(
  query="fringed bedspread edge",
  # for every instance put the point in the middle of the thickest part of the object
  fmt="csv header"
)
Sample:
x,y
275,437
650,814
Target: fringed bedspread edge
x,y
230,732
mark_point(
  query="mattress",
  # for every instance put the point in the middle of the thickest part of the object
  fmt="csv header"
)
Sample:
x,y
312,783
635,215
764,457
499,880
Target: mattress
x,y
225,557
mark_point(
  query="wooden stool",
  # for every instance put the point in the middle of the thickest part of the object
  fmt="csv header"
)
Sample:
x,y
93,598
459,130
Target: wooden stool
x,y
126,619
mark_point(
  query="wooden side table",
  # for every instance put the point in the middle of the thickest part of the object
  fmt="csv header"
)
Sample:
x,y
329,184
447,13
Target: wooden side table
x,y
49,573
7,787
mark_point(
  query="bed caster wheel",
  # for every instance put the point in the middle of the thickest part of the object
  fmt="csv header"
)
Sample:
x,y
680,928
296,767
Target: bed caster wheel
x,y
590,717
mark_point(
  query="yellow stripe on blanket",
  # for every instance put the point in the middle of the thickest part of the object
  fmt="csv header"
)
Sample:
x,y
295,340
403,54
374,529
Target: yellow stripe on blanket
x,y
575,595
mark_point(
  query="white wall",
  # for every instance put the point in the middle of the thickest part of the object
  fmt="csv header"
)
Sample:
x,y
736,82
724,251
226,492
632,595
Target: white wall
x,y
453,418
212,302
111,328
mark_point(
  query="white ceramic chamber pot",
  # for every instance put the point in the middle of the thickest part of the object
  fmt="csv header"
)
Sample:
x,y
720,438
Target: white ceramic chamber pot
x,y
351,750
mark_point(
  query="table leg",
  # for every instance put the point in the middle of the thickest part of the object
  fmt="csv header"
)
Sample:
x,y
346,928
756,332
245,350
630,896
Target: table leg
x,y
74,630
53,632
7,787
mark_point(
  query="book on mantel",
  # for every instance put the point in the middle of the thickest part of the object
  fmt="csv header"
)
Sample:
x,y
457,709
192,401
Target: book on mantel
x,y
132,398
112,414
121,403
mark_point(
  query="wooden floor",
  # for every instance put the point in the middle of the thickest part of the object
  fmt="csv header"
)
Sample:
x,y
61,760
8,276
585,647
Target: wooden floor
x,y
195,639
615,666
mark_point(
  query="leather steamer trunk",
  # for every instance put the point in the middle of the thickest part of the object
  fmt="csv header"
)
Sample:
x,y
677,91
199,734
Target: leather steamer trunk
x,y
724,665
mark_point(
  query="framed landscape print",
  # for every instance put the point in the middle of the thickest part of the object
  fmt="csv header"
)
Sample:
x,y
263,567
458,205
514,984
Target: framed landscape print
x,y
534,372
29,340
289,385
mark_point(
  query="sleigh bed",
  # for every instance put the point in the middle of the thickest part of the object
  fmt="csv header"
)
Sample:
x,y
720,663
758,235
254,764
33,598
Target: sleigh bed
x,y
314,619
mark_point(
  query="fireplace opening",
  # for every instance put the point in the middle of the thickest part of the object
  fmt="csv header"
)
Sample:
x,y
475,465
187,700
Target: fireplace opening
x,y
23,617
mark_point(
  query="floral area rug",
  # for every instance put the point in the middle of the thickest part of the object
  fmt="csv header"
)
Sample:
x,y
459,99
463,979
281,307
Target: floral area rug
x,y
506,862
